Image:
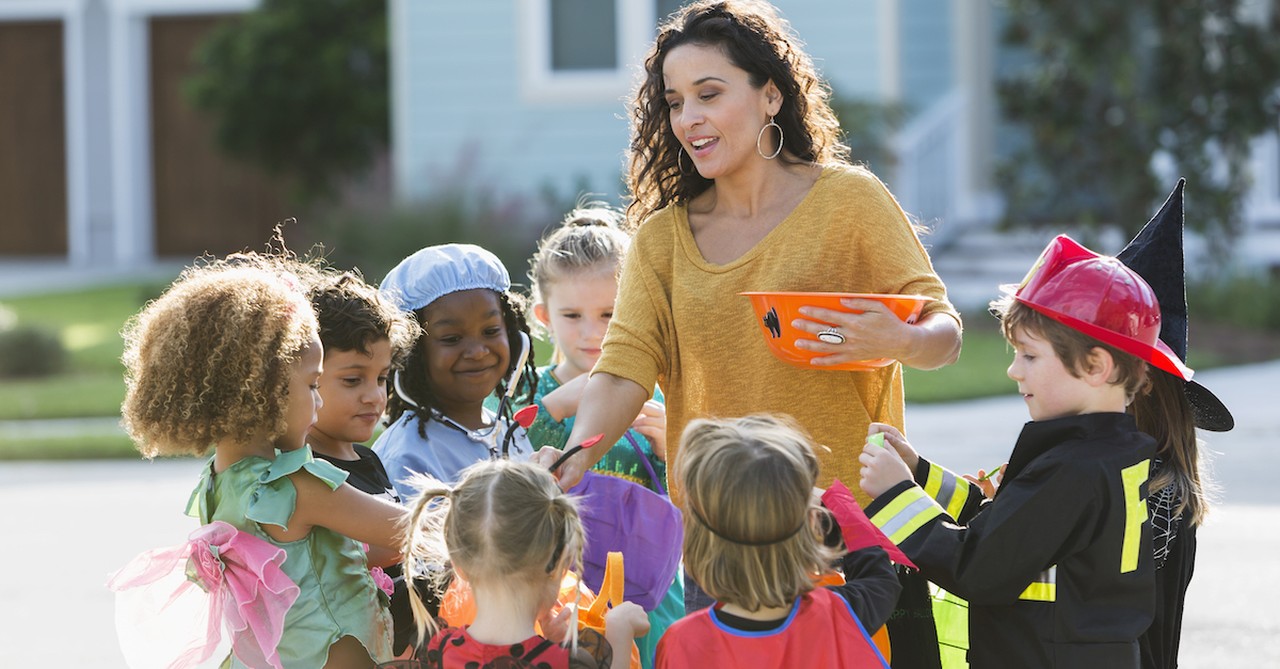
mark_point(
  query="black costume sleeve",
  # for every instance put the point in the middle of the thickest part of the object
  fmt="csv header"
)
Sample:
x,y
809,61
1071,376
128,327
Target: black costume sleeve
x,y
1042,514
871,585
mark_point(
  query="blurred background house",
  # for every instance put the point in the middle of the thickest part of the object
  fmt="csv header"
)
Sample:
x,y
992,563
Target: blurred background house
x,y
104,162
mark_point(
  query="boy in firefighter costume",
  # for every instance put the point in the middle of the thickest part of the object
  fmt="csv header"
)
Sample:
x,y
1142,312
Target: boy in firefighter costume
x,y
1058,567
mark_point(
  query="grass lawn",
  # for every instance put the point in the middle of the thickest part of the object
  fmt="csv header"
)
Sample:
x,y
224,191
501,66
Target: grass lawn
x,y
89,321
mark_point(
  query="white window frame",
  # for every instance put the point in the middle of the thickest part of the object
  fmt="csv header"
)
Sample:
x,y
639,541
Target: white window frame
x,y
541,84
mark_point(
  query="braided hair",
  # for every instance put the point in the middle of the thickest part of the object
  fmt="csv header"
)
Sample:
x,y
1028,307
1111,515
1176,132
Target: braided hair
x,y
422,401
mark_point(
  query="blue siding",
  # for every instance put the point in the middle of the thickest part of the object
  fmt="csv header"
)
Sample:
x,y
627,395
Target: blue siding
x,y
842,37
468,125
926,43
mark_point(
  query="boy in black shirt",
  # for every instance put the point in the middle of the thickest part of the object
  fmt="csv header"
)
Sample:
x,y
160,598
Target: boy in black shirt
x,y
364,336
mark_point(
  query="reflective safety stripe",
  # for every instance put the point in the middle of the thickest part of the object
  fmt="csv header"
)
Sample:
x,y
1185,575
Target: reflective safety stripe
x,y
906,513
949,490
1044,588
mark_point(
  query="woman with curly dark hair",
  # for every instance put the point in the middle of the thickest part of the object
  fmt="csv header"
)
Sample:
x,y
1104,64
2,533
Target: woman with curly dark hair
x,y
740,183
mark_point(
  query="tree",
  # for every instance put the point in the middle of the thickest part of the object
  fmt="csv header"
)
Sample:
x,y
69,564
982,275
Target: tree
x,y
1111,89
299,87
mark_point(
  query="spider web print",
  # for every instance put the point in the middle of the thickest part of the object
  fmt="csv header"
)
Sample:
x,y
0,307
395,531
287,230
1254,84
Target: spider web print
x,y
1164,522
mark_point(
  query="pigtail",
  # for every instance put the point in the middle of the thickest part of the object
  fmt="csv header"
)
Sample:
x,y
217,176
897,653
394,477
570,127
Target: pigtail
x,y
514,309
425,552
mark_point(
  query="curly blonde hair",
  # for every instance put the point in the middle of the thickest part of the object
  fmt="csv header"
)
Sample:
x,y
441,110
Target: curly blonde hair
x,y
755,39
210,359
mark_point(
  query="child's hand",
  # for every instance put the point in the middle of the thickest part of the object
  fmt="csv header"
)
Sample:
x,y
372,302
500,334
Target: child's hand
x,y
882,468
894,438
623,623
989,482
652,423
555,628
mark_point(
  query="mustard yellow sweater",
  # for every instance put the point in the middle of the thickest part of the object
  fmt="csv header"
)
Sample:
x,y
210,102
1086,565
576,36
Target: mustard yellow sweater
x,y
680,322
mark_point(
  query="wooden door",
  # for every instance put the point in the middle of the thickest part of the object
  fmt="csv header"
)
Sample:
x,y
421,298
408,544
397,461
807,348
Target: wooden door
x,y
33,141
204,201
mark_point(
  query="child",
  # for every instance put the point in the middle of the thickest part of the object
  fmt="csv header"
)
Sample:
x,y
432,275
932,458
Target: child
x,y
1171,412
509,531
1057,567
363,335
229,357
753,541
474,340
573,276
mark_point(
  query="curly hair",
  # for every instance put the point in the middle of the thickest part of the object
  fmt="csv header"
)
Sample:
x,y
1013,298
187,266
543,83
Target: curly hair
x,y
415,385
353,315
755,39
211,358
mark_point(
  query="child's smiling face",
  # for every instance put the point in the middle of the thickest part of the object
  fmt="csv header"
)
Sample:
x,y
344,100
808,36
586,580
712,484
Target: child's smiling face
x,y
466,350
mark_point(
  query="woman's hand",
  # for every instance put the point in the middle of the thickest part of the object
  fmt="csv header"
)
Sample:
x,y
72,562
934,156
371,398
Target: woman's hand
x,y
870,335
882,468
877,333
652,423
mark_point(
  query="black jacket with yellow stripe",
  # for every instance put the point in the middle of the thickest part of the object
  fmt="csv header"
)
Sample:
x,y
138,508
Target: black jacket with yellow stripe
x,y
1057,568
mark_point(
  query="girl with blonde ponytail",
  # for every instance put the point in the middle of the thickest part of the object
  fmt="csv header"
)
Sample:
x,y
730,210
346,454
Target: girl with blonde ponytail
x,y
508,531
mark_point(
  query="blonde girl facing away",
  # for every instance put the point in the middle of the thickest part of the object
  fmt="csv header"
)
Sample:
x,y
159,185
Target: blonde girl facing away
x,y
511,534
754,542
229,359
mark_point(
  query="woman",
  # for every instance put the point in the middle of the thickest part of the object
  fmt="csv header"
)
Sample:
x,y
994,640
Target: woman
x,y
739,183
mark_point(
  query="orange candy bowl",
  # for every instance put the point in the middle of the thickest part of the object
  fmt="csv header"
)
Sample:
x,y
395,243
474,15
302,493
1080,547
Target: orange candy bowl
x,y
775,311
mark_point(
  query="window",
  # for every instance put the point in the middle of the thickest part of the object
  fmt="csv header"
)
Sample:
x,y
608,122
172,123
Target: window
x,y
583,35
582,50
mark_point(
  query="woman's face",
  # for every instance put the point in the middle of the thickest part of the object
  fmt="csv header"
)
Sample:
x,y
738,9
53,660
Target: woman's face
x,y
716,114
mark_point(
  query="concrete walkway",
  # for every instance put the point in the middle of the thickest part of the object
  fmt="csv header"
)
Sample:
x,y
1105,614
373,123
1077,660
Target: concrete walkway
x,y
67,525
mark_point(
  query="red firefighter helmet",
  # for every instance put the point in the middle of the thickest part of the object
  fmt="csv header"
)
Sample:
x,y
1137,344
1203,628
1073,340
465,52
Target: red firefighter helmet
x,y
1100,297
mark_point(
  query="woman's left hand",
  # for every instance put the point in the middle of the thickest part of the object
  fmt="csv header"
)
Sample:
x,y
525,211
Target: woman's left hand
x,y
870,335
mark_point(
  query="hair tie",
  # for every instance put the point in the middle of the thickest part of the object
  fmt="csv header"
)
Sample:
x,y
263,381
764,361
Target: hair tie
x,y
742,542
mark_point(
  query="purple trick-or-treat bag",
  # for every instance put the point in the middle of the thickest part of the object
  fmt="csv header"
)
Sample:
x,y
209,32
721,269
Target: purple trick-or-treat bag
x,y
644,526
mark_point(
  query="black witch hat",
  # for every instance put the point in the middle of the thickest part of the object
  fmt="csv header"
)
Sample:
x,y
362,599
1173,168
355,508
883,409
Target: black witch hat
x,y
1156,255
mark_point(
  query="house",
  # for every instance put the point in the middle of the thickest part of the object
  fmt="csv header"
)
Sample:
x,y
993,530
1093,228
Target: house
x,y
524,96
103,163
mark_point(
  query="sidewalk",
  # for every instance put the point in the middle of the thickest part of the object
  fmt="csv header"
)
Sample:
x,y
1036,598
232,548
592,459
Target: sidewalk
x,y
67,525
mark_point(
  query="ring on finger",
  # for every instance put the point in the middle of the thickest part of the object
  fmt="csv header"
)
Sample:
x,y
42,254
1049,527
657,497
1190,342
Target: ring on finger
x,y
831,336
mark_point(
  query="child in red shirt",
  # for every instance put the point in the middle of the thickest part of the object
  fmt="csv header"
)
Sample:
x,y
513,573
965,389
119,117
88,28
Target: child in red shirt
x,y
754,541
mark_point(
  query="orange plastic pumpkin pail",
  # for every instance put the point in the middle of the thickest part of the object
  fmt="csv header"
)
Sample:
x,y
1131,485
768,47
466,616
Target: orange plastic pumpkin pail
x,y
775,310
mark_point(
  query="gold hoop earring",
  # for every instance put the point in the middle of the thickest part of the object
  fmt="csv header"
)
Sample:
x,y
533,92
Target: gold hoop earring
x,y
680,167
761,136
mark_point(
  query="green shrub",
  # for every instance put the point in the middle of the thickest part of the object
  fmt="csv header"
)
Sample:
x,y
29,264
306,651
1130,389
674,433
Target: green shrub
x,y
1247,301
374,241
28,350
